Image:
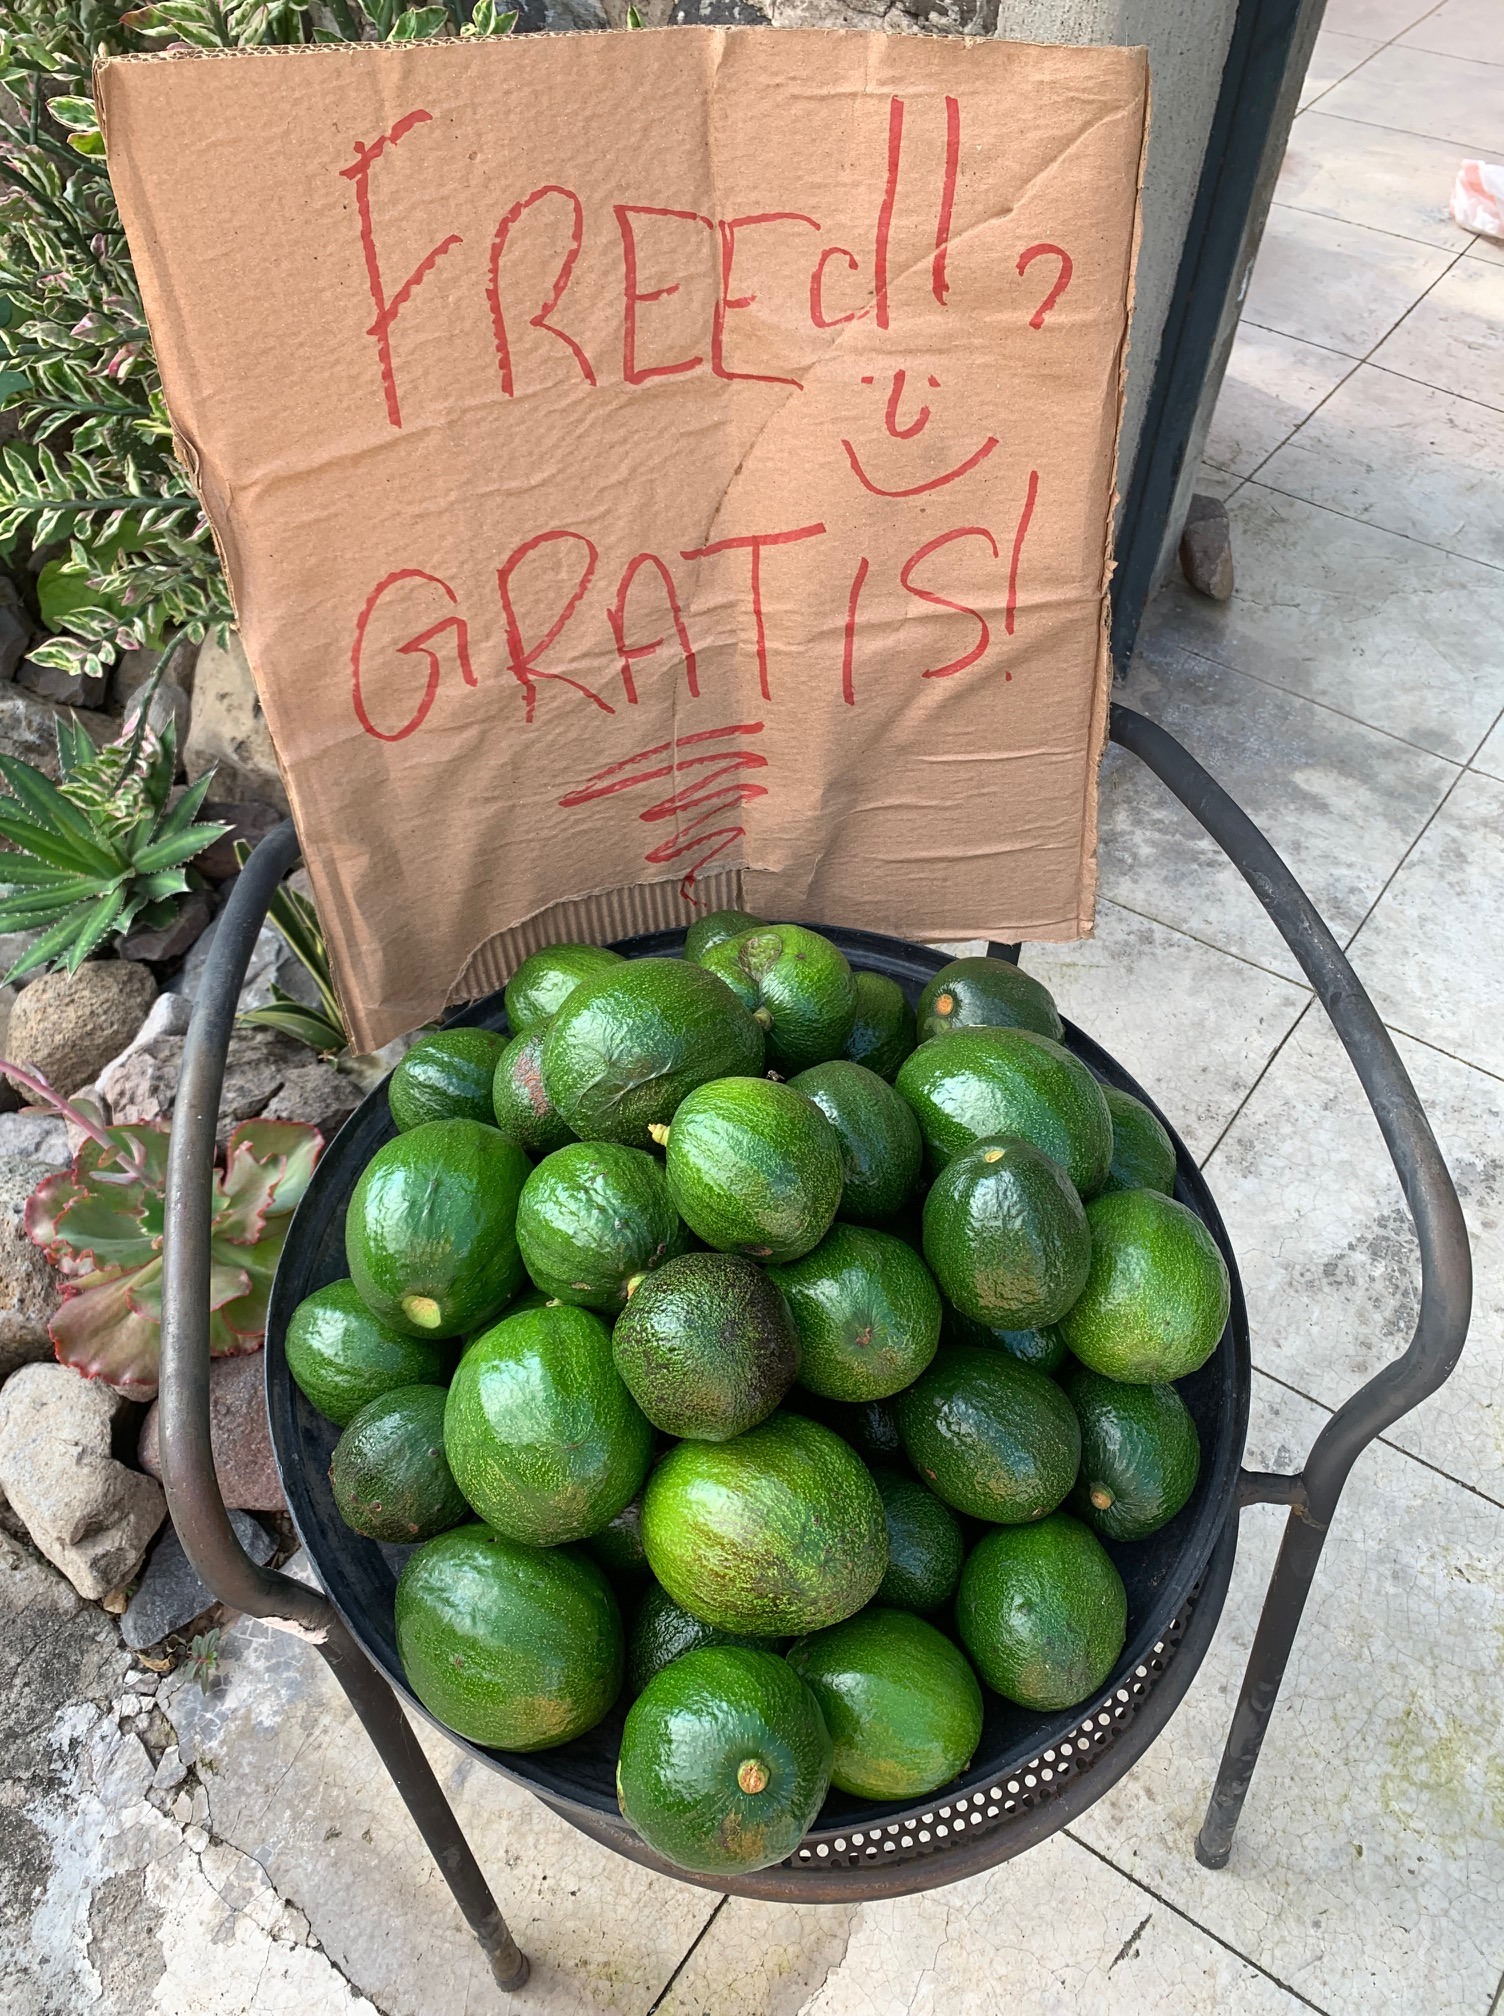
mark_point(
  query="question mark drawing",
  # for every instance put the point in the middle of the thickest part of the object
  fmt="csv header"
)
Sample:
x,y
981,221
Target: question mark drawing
x,y
1062,278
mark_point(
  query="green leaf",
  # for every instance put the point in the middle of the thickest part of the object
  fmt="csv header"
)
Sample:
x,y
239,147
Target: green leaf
x,y
172,849
42,802
485,21
51,943
76,114
419,24
45,844
305,1025
96,927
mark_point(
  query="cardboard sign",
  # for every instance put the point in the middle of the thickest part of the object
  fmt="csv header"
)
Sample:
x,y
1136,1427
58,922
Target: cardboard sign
x,y
653,470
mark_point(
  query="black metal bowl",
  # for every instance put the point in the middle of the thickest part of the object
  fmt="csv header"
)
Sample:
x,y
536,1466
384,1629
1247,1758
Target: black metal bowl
x,y
1030,1771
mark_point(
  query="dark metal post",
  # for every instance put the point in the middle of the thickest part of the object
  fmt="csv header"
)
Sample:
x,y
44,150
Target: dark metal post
x,y
193,1495
1441,1234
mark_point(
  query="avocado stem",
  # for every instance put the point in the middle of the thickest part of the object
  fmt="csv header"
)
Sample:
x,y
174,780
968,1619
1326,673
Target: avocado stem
x,y
422,1310
763,1017
752,1775
659,1132
634,1282
1101,1497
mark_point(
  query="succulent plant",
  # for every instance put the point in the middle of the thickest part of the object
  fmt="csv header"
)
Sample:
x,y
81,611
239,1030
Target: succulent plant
x,y
100,1224
100,851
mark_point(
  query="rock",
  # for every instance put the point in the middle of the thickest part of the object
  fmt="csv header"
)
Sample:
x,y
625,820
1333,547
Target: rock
x,y
69,1029
29,1289
259,1063
174,939
72,688
14,945
142,1082
91,1516
28,729
318,1094
168,703
250,822
228,731
172,1593
15,628
132,669
1206,548
272,963
238,1435
41,1137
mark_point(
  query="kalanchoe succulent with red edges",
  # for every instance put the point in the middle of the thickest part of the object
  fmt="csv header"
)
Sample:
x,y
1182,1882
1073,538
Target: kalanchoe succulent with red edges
x,y
100,1224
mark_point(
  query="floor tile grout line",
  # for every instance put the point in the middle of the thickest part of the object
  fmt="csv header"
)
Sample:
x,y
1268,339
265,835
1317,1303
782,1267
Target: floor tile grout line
x,y
1352,224
1330,349
1295,693
1301,986
1453,1056
689,1953
1384,1441
1263,1072
1377,50
1187,1919
1409,378
1452,553
1368,353
1414,132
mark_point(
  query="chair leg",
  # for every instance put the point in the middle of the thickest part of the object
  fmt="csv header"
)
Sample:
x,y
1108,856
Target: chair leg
x,y
1284,1602
399,1750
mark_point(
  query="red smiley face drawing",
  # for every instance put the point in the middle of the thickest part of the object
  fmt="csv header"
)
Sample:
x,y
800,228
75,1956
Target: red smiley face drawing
x,y
915,427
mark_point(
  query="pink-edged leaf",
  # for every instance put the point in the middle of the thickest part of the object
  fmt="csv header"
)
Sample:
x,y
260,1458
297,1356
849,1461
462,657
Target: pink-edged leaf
x,y
289,1149
247,1316
144,1141
105,1227
243,1195
99,1334
227,1343
227,1282
44,1206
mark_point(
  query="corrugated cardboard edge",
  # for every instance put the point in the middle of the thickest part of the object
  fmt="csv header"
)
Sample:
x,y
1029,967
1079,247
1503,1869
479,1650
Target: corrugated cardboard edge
x,y
1102,684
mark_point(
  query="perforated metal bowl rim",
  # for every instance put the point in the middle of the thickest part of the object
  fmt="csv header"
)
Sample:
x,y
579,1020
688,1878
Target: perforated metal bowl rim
x,y
539,1771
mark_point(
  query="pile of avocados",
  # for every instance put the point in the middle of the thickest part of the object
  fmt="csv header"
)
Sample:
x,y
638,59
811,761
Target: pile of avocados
x,y
824,1345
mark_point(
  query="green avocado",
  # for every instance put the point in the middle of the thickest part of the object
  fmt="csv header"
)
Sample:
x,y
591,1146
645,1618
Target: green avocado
x,y
445,1076
1140,1454
341,1356
882,1029
1005,1235
542,984
754,1167
519,1103
867,1313
982,1083
925,1545
1043,1349
996,1439
662,1632
1143,1155
629,1045
987,994
593,1219
715,929
515,1647
871,1426
881,1149
542,1436
618,1545
778,1531
1043,1612
706,1346
725,1761
1157,1297
798,985
388,1473
430,1229
902,1706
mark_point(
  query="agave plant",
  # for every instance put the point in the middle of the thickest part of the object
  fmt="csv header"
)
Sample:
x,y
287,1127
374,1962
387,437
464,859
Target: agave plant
x,y
296,921
100,1223
100,851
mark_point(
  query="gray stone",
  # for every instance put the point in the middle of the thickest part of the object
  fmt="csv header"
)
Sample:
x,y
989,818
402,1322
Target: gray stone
x,y
272,963
172,1593
168,703
29,1288
228,731
250,823
16,628
141,1083
40,1136
91,1516
239,1436
132,669
68,1029
1206,549
172,940
28,729
69,688
317,1094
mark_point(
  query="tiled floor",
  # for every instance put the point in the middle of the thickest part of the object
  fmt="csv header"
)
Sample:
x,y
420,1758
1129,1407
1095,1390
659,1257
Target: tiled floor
x,y
1352,697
